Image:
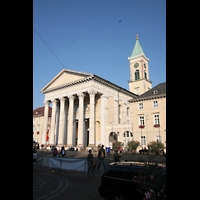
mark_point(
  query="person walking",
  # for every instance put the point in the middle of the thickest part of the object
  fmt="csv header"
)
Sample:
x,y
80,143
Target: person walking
x,y
62,151
116,156
101,157
90,162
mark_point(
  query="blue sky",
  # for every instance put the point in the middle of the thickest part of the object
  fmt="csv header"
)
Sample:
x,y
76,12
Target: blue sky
x,y
97,37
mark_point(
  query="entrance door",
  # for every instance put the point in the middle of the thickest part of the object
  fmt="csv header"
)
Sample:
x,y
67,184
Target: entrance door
x,y
87,141
113,137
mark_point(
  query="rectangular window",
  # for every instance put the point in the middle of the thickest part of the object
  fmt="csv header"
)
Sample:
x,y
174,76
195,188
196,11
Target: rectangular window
x,y
143,141
141,120
140,105
155,104
156,119
158,138
38,127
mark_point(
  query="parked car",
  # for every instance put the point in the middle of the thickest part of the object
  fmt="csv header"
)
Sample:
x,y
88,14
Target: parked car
x,y
117,181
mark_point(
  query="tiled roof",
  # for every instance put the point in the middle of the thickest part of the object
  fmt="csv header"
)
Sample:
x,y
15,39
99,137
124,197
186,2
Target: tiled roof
x,y
40,111
155,92
161,89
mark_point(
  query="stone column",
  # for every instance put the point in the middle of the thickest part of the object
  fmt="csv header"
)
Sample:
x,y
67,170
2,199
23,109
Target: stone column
x,y
103,118
57,121
74,133
125,112
44,134
116,111
53,122
61,122
92,118
80,118
70,121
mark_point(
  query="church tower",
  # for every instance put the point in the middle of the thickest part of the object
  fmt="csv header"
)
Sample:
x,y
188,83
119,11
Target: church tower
x,y
139,70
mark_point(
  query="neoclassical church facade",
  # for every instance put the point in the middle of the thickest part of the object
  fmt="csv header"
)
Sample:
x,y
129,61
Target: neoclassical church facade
x,y
88,110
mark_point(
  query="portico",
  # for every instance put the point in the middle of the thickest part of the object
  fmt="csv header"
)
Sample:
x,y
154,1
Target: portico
x,y
80,108
70,126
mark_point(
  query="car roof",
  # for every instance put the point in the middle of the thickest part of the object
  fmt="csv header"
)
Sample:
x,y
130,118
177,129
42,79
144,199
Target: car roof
x,y
128,163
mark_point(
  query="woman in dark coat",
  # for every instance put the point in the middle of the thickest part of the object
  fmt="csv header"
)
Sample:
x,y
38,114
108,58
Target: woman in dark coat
x,y
90,162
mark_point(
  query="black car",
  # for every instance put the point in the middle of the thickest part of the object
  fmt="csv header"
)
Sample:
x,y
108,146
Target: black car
x,y
117,181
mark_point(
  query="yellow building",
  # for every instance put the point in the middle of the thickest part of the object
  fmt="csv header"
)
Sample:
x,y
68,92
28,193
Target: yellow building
x,y
38,121
88,110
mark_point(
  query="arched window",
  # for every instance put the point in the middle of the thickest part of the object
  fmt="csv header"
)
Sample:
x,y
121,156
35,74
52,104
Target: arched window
x,y
145,74
128,114
137,75
120,112
128,134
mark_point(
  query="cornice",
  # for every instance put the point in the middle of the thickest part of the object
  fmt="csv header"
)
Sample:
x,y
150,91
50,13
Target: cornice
x,y
92,78
157,96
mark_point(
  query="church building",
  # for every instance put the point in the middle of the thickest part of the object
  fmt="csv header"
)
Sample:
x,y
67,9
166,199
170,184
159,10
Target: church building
x,y
88,110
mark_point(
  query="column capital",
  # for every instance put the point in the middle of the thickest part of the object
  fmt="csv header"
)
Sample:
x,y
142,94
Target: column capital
x,y
54,100
46,102
81,95
92,92
71,97
62,99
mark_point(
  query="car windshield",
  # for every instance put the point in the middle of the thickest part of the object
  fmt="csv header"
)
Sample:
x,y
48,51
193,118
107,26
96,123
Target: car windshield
x,y
117,172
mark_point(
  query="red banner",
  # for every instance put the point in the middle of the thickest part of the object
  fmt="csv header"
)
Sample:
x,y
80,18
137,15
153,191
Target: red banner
x,y
47,134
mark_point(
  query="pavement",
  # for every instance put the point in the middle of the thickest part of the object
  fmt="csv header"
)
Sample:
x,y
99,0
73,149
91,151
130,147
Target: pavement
x,y
49,183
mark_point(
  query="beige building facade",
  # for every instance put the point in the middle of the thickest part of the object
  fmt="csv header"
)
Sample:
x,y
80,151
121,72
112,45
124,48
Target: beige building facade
x,y
88,110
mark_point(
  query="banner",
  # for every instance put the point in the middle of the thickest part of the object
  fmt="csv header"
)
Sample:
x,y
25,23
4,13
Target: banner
x,y
68,163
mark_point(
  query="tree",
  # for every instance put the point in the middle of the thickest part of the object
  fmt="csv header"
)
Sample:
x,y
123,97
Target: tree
x,y
155,146
133,145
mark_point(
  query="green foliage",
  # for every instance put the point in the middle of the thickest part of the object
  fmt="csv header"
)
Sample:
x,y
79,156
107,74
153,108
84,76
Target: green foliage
x,y
133,145
155,145
115,144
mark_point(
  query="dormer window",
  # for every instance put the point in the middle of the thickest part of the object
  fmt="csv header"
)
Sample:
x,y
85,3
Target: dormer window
x,y
155,91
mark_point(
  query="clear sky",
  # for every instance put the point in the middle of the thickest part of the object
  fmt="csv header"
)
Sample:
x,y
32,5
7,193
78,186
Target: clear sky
x,y
97,37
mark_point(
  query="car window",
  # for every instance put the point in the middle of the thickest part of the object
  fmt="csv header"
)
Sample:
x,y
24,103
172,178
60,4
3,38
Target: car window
x,y
133,172
118,172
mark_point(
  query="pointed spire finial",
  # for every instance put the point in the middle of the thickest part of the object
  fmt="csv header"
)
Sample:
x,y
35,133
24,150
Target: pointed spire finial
x,y
137,37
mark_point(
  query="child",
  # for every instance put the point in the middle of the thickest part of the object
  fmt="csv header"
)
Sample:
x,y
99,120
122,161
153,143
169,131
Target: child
x,y
90,162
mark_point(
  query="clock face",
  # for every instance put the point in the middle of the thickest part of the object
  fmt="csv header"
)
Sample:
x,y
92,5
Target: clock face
x,y
144,66
136,65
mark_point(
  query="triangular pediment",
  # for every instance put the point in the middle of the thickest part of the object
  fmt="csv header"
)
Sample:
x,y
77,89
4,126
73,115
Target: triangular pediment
x,y
65,77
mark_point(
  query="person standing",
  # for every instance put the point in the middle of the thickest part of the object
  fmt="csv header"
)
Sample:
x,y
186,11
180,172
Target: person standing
x,y
90,162
62,151
116,156
101,157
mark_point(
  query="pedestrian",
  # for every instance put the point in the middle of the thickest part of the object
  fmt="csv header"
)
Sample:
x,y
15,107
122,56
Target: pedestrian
x,y
116,156
80,147
55,152
62,151
90,162
101,157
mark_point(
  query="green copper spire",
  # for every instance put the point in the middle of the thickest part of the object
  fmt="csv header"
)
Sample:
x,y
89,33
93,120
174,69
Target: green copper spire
x,y
137,50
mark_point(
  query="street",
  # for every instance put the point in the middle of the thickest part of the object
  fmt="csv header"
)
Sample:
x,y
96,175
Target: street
x,y
49,183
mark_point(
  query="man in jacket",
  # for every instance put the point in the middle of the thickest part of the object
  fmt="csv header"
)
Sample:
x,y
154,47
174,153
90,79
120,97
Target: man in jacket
x,y
101,157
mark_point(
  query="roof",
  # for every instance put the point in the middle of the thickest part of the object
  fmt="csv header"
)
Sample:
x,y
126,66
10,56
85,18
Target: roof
x,y
155,92
161,89
86,77
137,50
40,111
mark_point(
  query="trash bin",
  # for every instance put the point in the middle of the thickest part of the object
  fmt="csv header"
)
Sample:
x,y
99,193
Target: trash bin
x,y
107,149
